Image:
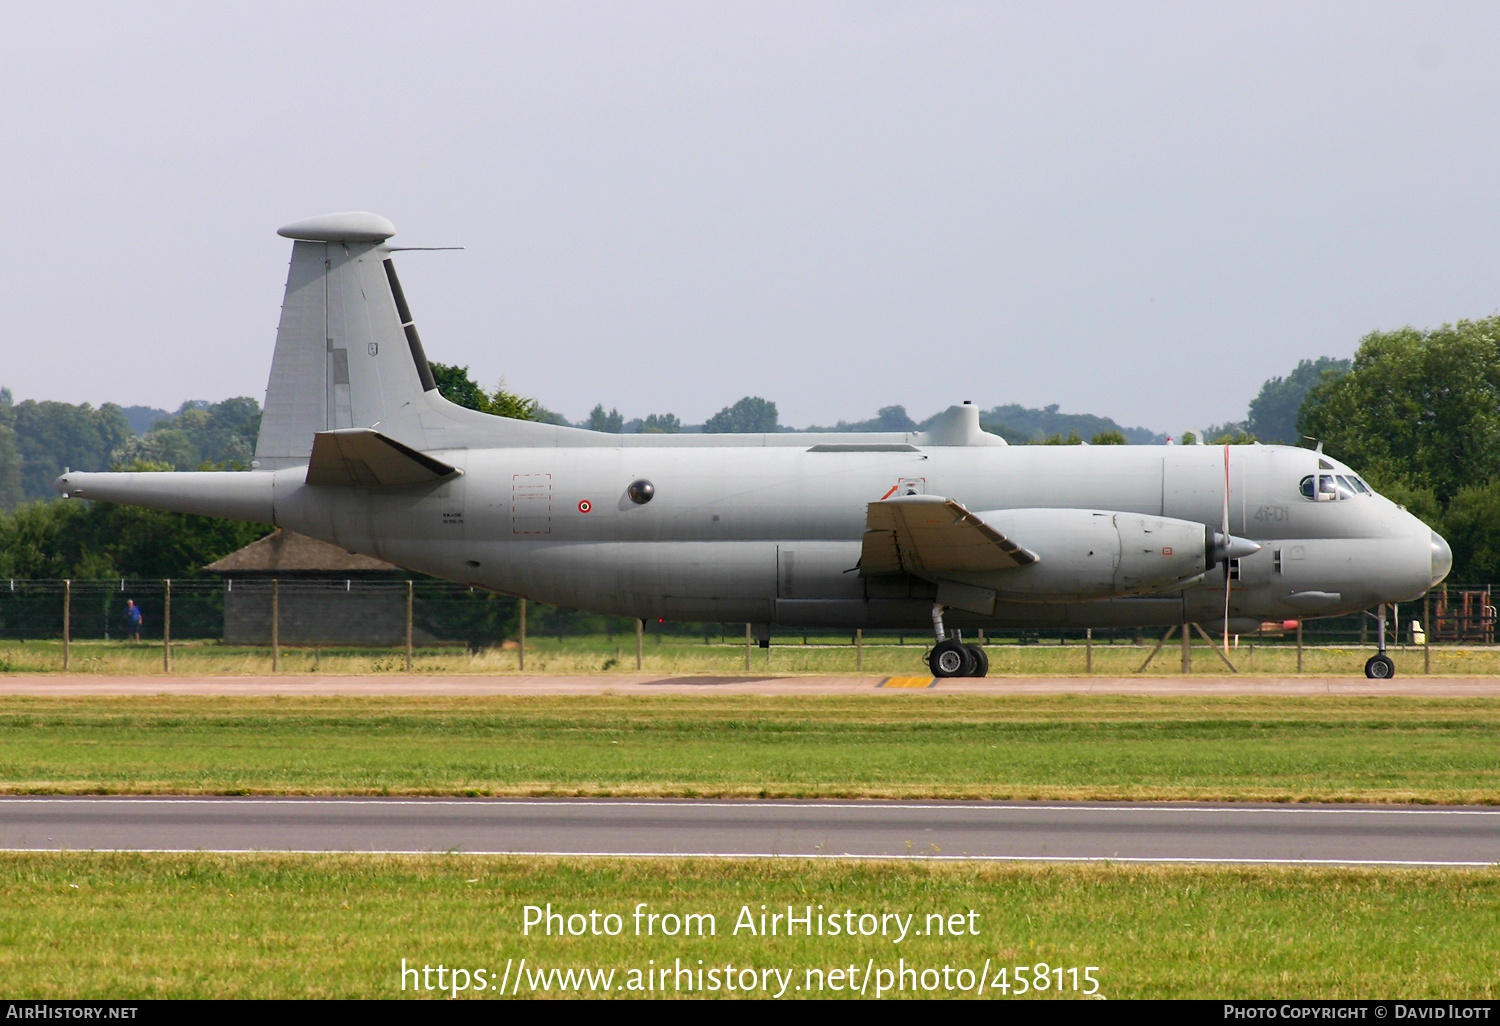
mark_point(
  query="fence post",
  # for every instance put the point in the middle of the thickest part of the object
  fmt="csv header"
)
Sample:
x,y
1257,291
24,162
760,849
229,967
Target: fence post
x,y
747,647
275,626
1299,643
1088,650
1427,634
408,626
67,619
1187,650
523,636
166,626
640,639
859,649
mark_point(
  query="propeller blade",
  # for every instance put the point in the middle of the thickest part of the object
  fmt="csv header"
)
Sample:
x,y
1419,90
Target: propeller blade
x,y
1227,548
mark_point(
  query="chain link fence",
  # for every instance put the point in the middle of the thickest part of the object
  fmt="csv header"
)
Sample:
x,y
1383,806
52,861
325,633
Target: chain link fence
x,y
382,615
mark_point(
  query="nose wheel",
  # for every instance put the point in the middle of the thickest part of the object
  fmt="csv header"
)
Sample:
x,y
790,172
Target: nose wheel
x,y
1379,665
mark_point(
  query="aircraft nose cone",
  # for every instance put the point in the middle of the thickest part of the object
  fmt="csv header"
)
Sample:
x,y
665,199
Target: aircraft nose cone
x,y
1442,558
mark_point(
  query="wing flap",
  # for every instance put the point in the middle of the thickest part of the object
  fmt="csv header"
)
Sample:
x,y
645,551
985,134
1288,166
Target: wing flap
x,y
364,456
928,534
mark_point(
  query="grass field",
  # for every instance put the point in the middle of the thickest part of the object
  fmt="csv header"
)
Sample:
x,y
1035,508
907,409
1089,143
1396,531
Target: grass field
x,y
276,926
918,745
682,655
122,926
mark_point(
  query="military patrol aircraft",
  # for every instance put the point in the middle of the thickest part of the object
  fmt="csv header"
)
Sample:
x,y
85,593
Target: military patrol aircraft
x,y
948,526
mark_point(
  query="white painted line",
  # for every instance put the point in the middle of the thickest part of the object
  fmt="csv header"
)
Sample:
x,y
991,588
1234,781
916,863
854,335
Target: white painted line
x,y
824,804
760,855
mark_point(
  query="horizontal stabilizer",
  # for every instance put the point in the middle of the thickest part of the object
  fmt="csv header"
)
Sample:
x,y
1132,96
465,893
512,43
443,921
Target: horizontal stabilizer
x,y
928,534
363,456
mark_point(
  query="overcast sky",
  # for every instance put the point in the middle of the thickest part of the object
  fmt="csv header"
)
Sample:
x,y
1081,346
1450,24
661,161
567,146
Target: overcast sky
x,y
1135,210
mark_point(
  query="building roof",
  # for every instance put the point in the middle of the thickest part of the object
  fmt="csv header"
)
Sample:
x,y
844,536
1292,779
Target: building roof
x,y
286,552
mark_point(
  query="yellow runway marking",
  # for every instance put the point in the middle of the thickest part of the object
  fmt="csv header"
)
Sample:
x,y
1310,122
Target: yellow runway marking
x,y
909,682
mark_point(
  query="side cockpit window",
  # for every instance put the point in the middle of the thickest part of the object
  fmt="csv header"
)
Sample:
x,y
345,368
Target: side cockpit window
x,y
1332,487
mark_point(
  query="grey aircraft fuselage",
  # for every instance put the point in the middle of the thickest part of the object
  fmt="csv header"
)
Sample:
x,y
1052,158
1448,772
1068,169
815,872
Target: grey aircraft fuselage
x,y
765,528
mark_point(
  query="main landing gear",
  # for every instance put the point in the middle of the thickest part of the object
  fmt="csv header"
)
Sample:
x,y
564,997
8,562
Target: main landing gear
x,y
1379,665
951,657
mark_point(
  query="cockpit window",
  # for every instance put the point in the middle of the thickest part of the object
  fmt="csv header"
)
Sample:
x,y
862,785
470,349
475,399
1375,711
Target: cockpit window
x,y
1359,483
1331,487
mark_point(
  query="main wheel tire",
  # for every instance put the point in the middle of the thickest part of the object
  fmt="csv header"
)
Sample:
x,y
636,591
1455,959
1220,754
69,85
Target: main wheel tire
x,y
1380,667
951,659
981,661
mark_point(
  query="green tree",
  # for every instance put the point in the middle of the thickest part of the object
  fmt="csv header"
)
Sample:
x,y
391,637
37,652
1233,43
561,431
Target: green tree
x,y
1273,412
751,415
1228,434
661,424
612,422
1071,438
52,436
71,538
227,437
1234,429
1109,438
1033,424
1471,526
894,418
200,436
890,418
1421,407
505,403
455,385
10,454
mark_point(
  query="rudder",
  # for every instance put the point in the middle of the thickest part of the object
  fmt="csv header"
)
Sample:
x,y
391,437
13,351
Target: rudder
x,y
347,354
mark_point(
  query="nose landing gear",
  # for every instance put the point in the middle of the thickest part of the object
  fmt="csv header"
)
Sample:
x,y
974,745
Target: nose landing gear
x,y
951,657
1379,665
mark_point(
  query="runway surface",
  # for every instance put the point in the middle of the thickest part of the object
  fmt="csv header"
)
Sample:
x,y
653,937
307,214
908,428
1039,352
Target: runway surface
x,y
1041,831
747,684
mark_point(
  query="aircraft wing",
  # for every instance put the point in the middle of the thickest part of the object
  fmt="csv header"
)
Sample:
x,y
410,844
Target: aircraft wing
x,y
363,456
928,534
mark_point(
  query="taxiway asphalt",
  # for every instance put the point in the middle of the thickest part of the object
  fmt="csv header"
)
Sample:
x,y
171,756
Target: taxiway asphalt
x,y
746,684
1030,831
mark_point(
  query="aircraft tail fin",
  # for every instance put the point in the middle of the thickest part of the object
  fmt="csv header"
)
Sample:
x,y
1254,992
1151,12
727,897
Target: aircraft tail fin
x,y
347,353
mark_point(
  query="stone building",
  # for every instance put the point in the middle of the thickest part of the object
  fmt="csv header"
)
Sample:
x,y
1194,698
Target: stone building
x,y
326,595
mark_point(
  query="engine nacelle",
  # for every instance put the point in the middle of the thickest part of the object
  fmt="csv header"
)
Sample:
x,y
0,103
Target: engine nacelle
x,y
1094,554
